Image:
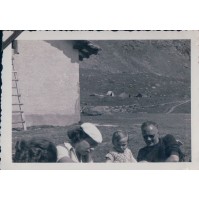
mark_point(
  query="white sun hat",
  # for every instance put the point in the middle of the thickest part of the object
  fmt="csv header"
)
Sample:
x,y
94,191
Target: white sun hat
x,y
92,131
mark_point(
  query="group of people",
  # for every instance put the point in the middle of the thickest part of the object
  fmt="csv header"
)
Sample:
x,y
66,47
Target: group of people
x,y
85,137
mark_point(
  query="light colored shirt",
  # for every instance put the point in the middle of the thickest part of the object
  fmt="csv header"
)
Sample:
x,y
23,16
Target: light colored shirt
x,y
116,157
66,150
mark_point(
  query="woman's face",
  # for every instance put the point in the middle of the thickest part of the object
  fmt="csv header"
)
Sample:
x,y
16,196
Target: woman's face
x,y
85,146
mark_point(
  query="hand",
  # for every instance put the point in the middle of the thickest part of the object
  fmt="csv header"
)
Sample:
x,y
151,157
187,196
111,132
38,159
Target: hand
x,y
172,158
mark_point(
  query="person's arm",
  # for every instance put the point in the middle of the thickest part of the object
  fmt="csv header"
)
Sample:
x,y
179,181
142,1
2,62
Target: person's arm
x,y
141,157
109,158
172,148
173,158
63,155
65,160
133,160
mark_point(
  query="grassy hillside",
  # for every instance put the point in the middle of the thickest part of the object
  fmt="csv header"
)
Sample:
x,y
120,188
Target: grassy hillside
x,y
158,70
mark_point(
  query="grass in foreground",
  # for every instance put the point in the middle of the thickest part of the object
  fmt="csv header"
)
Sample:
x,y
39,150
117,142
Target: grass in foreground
x,y
177,124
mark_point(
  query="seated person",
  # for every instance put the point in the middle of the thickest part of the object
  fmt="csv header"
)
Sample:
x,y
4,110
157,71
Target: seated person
x,y
35,150
164,149
120,152
82,141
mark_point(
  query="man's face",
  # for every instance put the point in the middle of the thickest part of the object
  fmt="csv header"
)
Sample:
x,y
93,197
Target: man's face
x,y
150,135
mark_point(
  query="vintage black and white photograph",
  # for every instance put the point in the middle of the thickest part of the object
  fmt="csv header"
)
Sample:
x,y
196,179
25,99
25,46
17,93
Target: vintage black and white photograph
x,y
101,100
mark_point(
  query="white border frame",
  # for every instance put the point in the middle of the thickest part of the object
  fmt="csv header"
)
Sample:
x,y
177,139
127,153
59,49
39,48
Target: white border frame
x,y
6,138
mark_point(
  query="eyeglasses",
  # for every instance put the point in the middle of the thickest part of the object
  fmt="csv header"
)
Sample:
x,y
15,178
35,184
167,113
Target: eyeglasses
x,y
148,136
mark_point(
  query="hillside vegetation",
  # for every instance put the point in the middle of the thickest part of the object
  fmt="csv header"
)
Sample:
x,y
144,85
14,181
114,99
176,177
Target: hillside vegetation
x,y
155,75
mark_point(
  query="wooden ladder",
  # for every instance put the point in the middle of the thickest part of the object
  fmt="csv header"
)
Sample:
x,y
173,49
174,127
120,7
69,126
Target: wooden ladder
x,y
17,104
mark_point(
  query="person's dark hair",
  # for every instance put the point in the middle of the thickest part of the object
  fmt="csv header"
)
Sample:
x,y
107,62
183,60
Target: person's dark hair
x,y
118,135
76,134
148,123
35,150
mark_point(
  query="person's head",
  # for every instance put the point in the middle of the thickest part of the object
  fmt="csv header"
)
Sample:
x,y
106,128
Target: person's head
x,y
84,138
120,141
150,133
35,150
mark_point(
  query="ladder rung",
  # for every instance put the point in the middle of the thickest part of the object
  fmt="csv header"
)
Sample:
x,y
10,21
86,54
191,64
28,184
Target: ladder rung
x,y
14,87
19,122
17,104
16,95
14,71
15,80
17,111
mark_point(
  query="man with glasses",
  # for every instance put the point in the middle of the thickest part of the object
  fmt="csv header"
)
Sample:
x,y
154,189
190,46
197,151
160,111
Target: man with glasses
x,y
164,149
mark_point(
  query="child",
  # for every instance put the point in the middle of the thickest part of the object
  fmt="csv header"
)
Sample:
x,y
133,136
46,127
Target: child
x,y
120,152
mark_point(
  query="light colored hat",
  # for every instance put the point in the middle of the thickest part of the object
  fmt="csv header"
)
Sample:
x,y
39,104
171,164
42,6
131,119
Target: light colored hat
x,y
92,131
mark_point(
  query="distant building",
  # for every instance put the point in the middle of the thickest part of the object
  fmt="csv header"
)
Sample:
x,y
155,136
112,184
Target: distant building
x,y
110,93
48,73
124,95
139,95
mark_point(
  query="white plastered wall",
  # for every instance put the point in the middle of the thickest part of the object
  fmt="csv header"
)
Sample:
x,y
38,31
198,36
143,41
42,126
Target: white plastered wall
x,y
48,73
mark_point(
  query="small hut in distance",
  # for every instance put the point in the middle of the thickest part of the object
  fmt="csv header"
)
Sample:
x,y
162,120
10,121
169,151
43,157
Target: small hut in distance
x,y
110,93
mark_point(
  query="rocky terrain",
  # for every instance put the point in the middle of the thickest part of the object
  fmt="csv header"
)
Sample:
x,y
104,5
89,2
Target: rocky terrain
x,y
144,76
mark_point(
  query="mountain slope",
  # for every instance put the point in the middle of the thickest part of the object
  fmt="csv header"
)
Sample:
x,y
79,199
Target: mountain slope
x,y
158,70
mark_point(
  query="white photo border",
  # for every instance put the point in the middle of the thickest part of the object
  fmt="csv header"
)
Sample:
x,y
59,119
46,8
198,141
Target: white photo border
x,y
6,137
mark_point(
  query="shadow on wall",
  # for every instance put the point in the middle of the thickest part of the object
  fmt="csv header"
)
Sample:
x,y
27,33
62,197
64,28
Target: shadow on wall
x,y
83,48
66,46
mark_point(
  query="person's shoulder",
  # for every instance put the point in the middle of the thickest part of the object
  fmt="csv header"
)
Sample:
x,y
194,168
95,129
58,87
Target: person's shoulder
x,y
60,145
66,145
169,140
128,150
168,137
64,148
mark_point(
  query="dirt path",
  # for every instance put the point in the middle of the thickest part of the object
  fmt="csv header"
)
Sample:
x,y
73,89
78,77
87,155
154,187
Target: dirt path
x,y
173,107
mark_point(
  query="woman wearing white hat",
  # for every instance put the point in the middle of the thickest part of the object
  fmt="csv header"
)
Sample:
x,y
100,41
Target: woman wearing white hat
x,y
83,139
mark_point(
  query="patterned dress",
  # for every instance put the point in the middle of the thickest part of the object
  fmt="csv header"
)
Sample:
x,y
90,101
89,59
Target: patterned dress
x,y
116,157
